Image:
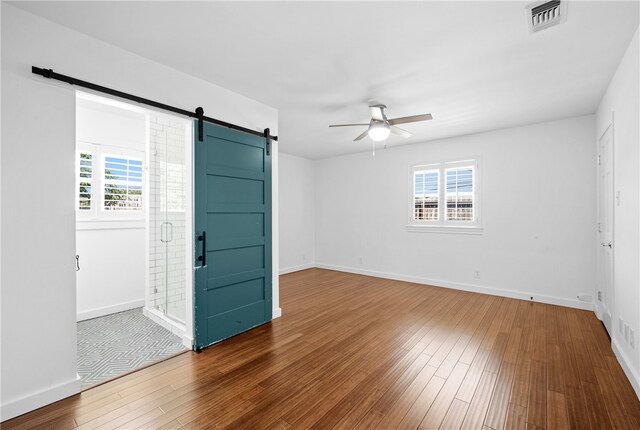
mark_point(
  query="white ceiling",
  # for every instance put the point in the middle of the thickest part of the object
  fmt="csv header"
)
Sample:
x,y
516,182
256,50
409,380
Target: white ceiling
x,y
473,65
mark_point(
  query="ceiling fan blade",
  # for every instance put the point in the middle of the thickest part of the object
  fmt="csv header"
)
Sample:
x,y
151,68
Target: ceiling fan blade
x,y
399,131
413,118
362,136
347,125
376,113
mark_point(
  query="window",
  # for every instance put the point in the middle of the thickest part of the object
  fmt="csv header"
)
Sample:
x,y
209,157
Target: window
x,y
122,184
459,193
85,179
426,185
110,183
444,197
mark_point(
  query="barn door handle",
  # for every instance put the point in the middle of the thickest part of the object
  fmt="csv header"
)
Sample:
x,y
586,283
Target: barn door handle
x,y
77,263
203,257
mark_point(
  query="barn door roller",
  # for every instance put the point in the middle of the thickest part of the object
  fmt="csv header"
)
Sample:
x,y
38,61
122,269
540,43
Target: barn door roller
x,y
200,116
267,136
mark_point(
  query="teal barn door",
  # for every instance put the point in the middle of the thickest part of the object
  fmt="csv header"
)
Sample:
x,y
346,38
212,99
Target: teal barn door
x,y
232,199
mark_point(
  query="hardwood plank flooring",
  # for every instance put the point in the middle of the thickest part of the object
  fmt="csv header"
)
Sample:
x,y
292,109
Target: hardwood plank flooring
x,y
356,352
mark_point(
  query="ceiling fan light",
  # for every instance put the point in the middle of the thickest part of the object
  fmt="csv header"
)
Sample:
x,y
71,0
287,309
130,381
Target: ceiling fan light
x,y
378,131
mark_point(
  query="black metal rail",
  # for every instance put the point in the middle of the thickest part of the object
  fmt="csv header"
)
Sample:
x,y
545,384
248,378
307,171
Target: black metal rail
x,y
198,113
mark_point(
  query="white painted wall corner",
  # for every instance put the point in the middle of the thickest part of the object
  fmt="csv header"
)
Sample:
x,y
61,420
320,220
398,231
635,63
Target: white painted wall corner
x,y
292,269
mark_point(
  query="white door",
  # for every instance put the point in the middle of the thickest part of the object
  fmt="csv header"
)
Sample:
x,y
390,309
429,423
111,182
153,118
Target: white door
x,y
605,227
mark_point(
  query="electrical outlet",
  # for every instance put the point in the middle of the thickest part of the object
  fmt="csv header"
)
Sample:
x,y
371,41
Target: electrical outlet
x,y
360,260
632,340
304,257
599,296
626,332
476,274
620,325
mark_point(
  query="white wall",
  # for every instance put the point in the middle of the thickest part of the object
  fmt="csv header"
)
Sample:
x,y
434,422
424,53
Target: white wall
x,y
622,103
112,254
538,212
38,242
297,213
112,265
109,125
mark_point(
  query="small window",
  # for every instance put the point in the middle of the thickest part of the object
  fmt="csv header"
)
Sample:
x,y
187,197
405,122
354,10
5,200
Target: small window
x,y
444,195
122,184
459,193
85,180
425,195
110,183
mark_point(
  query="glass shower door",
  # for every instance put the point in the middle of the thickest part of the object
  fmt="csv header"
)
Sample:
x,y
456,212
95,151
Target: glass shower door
x,y
168,217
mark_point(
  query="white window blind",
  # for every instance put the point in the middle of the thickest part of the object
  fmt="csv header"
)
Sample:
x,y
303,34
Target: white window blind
x,y
85,181
122,184
459,193
425,195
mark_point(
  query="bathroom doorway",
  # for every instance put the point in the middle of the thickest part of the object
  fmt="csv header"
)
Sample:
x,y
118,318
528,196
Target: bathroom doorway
x,y
133,240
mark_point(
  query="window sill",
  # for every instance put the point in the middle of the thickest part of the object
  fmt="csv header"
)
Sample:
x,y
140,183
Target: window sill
x,y
119,224
449,229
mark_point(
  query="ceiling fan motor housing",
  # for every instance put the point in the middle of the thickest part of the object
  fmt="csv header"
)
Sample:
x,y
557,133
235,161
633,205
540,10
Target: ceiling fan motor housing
x,y
379,130
380,126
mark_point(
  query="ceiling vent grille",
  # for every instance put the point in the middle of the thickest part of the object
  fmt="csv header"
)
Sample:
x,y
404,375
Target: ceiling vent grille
x,y
543,15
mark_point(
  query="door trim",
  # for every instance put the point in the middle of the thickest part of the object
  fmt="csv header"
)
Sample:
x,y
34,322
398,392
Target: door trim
x,y
598,309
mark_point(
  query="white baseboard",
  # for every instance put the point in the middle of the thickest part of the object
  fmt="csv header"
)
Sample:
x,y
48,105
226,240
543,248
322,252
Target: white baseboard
x,y
552,300
187,341
596,310
277,313
99,312
625,363
39,399
292,269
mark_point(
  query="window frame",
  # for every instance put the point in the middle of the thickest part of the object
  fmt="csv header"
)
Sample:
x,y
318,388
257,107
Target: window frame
x,y
442,225
97,213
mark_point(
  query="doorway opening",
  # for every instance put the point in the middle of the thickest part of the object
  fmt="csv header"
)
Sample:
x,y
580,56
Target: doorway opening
x,y
133,237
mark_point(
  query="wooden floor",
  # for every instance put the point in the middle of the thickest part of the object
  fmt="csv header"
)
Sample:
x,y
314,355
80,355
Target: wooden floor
x,y
358,352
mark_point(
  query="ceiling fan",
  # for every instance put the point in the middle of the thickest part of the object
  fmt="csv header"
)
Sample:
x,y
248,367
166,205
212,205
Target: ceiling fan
x,y
380,127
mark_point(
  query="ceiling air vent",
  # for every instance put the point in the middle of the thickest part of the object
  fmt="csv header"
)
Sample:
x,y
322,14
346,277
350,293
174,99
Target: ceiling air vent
x,y
543,15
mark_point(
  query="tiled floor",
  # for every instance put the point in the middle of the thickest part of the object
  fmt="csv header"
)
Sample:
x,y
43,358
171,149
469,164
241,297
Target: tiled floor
x,y
116,344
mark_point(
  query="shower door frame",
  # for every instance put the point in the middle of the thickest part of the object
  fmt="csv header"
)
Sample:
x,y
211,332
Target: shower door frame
x,y
183,330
